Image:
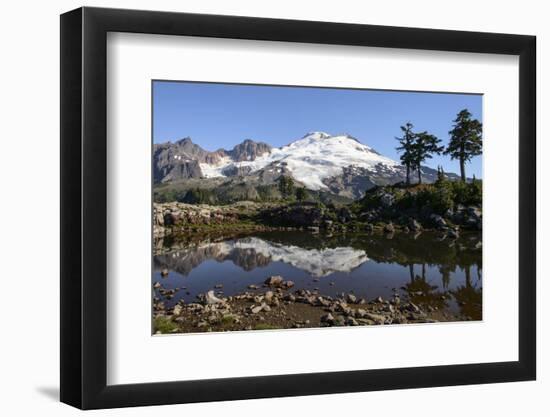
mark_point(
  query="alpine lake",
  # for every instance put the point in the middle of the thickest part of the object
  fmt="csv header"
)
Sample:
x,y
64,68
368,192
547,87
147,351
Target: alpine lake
x,y
438,276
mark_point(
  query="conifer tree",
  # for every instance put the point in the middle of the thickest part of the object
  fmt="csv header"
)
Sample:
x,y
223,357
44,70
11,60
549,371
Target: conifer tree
x,y
466,141
406,146
424,146
301,194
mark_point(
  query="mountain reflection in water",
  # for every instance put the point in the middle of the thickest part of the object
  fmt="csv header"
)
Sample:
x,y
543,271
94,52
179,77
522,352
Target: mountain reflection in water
x,y
445,274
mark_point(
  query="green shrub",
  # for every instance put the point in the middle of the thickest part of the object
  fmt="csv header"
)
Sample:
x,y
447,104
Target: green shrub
x,y
466,193
164,325
200,196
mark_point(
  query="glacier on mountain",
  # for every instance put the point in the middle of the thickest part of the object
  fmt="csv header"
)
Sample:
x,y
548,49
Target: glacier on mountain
x,y
310,160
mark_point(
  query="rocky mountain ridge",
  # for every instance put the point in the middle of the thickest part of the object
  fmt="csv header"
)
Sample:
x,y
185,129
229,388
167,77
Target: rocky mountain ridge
x,y
339,165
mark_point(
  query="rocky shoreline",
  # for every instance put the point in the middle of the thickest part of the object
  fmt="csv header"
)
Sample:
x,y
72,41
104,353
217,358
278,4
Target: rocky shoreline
x,y
176,219
276,305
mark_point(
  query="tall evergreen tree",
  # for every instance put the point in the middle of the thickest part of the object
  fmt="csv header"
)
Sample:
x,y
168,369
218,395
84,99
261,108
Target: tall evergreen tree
x,y
406,147
286,185
423,147
466,141
440,175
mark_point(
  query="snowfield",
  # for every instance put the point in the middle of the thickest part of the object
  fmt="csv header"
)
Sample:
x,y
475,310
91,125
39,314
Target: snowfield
x,y
312,159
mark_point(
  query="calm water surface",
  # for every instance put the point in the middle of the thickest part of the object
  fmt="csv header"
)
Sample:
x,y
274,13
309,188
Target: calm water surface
x,y
424,267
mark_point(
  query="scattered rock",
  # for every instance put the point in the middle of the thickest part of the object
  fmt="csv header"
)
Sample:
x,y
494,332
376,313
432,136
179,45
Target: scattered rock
x,y
164,272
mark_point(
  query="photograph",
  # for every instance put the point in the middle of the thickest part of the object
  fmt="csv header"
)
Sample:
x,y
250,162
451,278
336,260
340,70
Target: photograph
x,y
285,207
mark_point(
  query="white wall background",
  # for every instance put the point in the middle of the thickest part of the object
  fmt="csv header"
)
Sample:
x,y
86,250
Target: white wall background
x,y
29,212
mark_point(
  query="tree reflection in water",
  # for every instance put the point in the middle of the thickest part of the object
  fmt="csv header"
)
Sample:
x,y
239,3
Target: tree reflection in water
x,y
468,296
420,291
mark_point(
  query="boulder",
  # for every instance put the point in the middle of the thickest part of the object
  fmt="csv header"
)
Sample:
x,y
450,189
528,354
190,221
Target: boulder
x,y
360,313
352,299
453,234
210,298
439,221
414,225
352,322
289,297
323,302
328,224
377,318
275,281
340,321
256,309
345,215
387,199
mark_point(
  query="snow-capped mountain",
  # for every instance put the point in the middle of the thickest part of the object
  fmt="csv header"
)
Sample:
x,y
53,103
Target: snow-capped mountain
x,y
250,253
338,164
310,160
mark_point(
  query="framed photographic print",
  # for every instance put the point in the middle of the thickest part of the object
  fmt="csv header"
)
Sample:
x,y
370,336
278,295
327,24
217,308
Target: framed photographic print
x,y
257,208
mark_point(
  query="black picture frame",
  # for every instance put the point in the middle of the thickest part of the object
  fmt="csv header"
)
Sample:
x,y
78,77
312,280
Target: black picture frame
x,y
84,207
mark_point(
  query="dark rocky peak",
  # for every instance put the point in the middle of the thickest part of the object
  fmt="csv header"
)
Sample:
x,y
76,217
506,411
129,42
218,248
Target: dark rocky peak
x,y
248,150
185,141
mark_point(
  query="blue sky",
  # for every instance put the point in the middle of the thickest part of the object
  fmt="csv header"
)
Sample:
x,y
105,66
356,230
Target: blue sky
x,y
223,115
